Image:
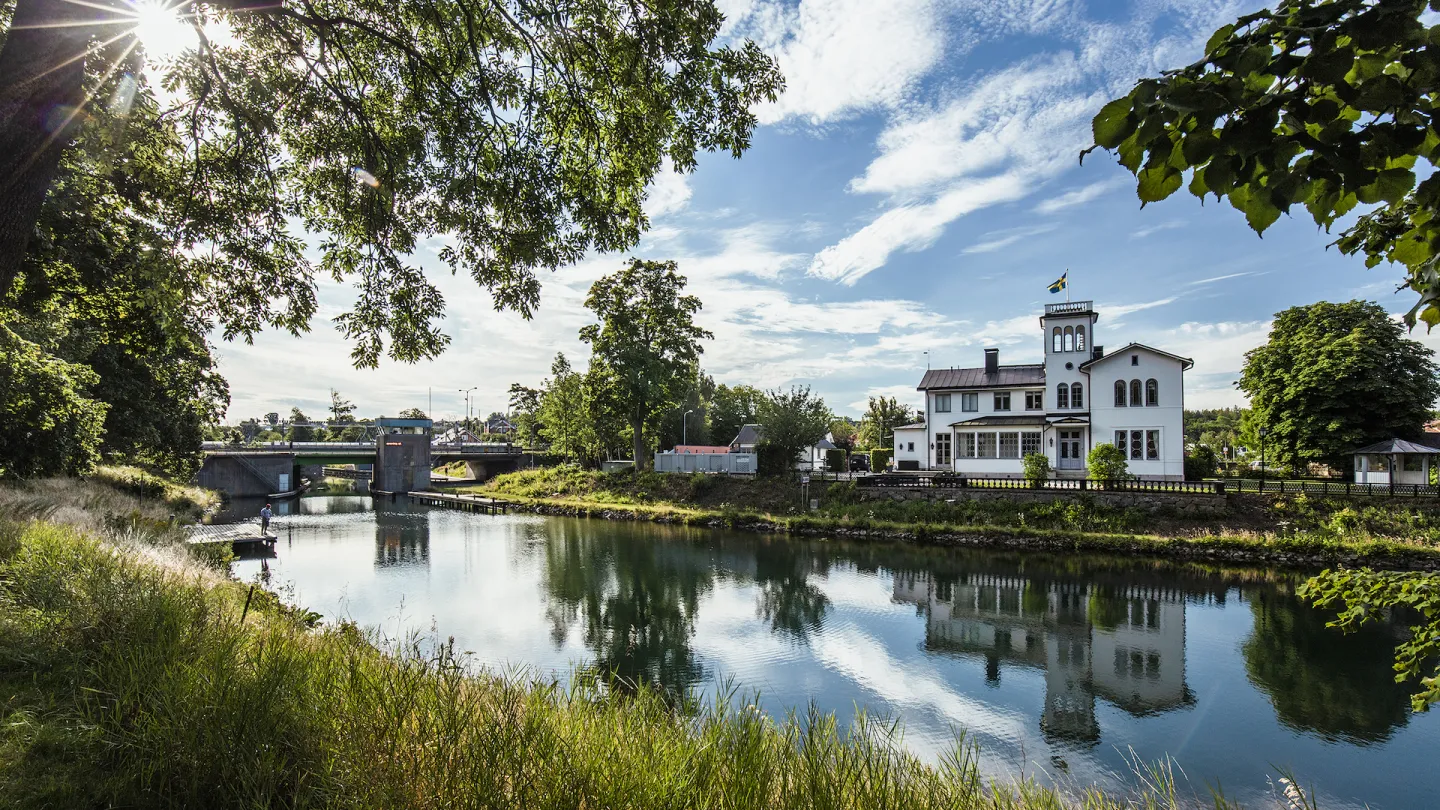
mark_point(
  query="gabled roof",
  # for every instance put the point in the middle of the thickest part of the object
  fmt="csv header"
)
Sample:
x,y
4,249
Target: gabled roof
x,y
1396,446
749,434
825,444
1006,377
1185,362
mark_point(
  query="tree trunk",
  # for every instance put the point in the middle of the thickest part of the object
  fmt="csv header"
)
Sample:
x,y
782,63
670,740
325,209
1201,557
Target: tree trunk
x,y
637,427
42,71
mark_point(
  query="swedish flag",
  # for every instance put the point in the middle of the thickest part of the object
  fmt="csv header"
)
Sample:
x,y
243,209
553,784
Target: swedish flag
x,y
1060,283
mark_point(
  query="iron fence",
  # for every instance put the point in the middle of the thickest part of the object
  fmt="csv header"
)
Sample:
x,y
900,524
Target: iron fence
x,y
1330,488
951,481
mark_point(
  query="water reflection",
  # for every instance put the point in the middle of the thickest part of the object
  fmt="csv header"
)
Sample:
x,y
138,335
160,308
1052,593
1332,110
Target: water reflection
x,y
402,536
1341,686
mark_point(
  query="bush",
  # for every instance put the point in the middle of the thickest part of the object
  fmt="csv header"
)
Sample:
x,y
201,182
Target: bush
x,y
880,459
1201,463
52,426
1106,462
771,459
1037,468
836,460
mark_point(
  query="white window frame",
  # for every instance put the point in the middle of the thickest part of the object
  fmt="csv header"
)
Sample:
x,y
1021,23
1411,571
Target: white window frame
x,y
980,442
1077,395
966,448
942,448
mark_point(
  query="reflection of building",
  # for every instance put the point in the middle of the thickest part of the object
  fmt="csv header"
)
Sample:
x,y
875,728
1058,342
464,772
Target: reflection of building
x,y
1125,644
401,537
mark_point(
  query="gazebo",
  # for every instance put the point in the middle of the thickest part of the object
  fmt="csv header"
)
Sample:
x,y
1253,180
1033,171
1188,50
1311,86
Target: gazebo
x,y
1405,462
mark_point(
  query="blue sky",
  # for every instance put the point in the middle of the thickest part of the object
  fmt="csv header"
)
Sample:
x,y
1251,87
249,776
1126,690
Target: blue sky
x,y
916,188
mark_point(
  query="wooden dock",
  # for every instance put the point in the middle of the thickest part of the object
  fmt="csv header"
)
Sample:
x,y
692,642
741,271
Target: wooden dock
x,y
457,500
242,537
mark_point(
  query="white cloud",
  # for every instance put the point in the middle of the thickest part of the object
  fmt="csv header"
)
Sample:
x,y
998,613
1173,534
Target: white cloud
x,y
1079,196
841,56
1003,239
909,228
668,193
905,394
1214,279
1154,229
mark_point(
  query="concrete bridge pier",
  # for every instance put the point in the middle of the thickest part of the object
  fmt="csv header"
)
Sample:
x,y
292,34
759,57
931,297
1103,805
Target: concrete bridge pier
x,y
487,468
249,476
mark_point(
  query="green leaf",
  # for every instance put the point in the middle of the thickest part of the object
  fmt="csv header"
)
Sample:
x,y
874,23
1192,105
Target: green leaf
x,y
1199,146
1113,123
1157,183
1197,184
1218,38
1394,184
1130,153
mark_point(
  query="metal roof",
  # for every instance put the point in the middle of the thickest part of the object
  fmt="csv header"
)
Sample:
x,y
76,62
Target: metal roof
x,y
749,434
916,426
1006,377
981,421
1396,446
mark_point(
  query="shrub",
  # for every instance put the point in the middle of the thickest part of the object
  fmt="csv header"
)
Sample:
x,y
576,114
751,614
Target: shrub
x,y
880,459
1106,462
1201,463
835,460
772,459
1037,468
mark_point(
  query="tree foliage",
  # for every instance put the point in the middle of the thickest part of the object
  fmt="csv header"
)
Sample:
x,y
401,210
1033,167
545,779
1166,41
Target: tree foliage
x,y
647,342
524,132
51,426
883,415
1335,377
1364,596
792,422
1322,103
731,408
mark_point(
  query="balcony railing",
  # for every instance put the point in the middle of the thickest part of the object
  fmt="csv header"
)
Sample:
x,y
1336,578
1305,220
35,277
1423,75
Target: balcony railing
x,y
1069,308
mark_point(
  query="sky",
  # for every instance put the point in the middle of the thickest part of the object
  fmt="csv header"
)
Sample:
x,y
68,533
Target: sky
x,y
914,190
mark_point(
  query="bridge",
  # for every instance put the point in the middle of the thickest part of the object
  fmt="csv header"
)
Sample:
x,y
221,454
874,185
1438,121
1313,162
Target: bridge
x,y
272,469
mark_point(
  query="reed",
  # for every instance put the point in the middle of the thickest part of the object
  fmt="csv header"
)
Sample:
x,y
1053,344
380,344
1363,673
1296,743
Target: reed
x,y
141,681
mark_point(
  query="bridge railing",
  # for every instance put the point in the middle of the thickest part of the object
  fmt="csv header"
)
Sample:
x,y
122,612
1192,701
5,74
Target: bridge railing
x,y
465,448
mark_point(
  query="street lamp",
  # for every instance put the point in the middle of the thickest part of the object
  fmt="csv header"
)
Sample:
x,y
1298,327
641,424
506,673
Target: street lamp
x,y
466,392
685,427
1262,433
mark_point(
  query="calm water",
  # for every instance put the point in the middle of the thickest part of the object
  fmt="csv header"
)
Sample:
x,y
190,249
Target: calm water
x,y
1055,664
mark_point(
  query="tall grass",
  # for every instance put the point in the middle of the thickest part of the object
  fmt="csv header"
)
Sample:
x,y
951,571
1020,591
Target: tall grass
x,y
133,682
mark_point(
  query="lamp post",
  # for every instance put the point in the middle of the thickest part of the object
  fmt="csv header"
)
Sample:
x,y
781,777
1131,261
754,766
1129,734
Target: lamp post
x,y
466,392
685,427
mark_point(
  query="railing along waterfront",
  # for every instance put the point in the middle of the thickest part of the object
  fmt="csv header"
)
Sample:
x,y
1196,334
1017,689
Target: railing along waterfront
x,y
1312,487
950,481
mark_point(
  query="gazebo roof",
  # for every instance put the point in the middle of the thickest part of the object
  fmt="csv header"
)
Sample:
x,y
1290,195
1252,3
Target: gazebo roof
x,y
1398,447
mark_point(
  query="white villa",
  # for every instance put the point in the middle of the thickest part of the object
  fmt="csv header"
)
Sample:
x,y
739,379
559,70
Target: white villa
x,y
983,421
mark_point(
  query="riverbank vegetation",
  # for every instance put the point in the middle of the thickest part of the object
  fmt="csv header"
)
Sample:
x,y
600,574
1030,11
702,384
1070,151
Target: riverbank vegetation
x,y
134,677
1294,528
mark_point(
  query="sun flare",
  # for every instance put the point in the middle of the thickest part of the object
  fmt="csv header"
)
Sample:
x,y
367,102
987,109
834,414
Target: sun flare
x,y
160,28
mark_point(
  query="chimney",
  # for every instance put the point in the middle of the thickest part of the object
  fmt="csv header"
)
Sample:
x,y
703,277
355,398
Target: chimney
x,y
992,361
1097,352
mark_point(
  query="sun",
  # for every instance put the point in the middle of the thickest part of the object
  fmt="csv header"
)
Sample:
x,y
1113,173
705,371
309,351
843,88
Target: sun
x,y
161,29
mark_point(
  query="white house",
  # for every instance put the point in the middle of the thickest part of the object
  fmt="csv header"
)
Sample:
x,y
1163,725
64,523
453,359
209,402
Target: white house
x,y
983,421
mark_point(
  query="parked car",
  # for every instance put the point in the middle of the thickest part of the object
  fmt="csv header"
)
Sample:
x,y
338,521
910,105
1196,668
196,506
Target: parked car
x,y
859,463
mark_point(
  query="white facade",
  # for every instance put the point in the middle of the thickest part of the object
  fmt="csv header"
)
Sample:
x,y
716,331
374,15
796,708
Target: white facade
x,y
983,421
910,443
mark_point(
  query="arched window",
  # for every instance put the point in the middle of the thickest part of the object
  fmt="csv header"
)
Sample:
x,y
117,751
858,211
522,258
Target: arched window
x,y
1152,392
1079,338
1062,396
1119,393
1057,347
1077,395
1069,339
1135,395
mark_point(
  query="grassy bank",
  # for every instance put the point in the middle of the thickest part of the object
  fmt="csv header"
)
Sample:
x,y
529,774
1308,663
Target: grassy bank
x,y
133,677
1292,530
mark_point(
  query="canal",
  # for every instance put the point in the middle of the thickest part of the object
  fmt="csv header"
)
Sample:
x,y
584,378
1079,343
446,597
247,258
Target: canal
x,y
1060,666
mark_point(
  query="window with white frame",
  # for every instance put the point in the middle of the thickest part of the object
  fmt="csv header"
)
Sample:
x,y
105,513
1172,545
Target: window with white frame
x,y
1034,400
1079,338
942,403
1010,444
1002,400
1077,395
1029,443
1056,346
969,403
1062,396
942,448
1152,392
967,446
985,444
1069,339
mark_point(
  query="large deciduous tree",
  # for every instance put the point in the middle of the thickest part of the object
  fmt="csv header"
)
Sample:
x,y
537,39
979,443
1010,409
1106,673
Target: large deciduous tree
x,y
646,341
1323,103
1336,377
524,133
732,407
884,414
791,421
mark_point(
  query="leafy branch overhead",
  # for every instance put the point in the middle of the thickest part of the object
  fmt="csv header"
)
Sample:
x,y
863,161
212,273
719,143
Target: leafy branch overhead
x,y
1322,103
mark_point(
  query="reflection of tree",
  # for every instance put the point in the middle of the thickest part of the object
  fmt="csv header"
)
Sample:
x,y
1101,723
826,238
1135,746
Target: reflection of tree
x,y
787,600
637,599
1108,607
1322,680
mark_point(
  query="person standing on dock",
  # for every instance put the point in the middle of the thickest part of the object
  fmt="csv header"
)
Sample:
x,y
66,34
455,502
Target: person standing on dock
x,y
265,514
